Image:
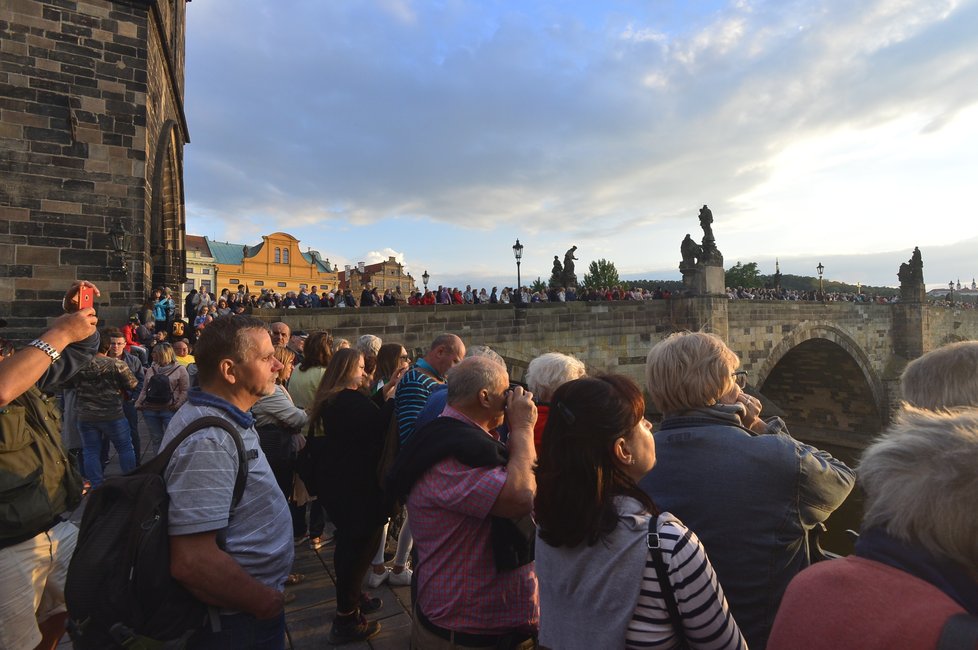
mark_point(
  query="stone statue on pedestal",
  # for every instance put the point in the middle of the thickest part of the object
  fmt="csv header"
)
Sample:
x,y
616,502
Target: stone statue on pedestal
x,y
911,276
702,265
557,274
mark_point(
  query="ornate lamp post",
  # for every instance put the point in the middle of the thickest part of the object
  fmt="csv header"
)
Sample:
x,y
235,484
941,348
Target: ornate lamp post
x,y
121,240
424,278
950,286
518,253
820,269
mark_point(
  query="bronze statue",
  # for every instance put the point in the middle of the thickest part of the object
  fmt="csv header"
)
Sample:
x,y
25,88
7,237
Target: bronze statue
x,y
569,279
558,269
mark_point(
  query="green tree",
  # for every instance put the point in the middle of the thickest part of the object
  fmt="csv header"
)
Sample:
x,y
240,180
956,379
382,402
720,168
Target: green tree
x,y
601,273
538,285
743,275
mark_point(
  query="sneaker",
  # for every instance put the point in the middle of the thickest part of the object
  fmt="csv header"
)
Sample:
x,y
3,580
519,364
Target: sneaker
x,y
369,605
374,579
318,542
301,539
401,579
357,629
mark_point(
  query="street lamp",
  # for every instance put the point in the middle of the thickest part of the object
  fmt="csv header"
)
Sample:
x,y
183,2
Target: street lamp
x,y
950,286
518,252
424,278
820,269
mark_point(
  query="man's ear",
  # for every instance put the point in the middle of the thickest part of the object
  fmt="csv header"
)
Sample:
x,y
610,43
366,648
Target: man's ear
x,y
225,369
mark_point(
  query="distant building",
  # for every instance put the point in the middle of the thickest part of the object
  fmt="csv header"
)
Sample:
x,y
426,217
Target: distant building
x,y
389,274
276,264
201,270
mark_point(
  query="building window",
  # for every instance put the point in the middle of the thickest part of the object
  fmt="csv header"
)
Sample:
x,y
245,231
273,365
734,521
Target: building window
x,y
283,284
285,256
205,271
188,285
190,270
259,283
303,286
205,285
234,281
278,255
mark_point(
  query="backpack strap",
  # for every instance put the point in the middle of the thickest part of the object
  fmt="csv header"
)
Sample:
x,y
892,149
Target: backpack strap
x,y
959,632
662,575
163,459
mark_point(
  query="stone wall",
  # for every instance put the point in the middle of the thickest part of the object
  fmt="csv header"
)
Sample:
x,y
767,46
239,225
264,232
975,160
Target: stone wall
x,y
76,78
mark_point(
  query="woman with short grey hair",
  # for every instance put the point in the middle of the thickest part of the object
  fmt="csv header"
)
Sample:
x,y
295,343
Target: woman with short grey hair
x,y
916,561
544,376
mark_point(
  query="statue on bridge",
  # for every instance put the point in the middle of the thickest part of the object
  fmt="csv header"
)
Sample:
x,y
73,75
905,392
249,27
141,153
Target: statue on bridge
x,y
702,264
557,274
568,276
911,276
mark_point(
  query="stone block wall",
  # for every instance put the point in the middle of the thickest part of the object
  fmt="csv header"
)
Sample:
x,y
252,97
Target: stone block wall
x,y
74,90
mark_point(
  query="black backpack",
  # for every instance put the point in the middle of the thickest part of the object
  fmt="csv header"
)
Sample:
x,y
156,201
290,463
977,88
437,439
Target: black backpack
x,y
119,590
158,391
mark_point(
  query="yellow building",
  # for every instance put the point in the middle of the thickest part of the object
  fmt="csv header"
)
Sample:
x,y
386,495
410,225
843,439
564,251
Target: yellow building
x,y
389,274
276,264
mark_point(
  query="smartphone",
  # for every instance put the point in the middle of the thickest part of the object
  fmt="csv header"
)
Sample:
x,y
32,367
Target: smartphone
x,y
86,297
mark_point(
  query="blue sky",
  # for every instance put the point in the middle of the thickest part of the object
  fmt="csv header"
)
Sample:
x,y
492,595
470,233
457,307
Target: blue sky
x,y
835,132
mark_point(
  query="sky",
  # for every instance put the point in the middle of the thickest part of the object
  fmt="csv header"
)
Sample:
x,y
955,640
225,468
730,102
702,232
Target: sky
x,y
441,131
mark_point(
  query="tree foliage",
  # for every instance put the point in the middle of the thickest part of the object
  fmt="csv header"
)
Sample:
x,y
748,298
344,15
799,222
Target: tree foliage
x,y
743,275
601,273
538,285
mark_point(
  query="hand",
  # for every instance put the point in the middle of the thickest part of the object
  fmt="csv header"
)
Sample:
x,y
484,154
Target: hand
x,y
273,605
390,388
71,327
751,419
521,412
298,441
70,302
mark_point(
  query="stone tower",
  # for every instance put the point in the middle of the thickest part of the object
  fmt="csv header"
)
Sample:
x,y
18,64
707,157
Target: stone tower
x,y
92,130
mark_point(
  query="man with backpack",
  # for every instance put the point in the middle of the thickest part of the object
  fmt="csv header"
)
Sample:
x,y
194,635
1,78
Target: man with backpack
x,y
37,481
235,559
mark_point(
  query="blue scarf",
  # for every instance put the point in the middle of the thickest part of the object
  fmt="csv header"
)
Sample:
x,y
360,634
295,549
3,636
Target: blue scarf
x,y
948,576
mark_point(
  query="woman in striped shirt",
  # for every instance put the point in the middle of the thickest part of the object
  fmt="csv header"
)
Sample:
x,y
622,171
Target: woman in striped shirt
x,y
598,584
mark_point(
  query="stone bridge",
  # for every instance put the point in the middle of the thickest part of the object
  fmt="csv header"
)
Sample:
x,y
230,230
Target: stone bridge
x,y
833,369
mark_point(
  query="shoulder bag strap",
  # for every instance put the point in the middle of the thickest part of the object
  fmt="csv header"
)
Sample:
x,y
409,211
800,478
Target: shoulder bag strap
x,y
960,632
662,575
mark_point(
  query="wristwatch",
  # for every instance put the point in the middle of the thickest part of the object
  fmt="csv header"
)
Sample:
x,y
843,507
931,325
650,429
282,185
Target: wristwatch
x,y
46,348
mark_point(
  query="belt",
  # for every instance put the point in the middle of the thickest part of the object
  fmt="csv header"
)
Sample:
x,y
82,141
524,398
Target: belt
x,y
504,640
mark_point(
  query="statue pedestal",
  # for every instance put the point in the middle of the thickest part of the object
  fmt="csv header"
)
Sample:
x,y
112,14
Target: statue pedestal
x,y
915,292
703,279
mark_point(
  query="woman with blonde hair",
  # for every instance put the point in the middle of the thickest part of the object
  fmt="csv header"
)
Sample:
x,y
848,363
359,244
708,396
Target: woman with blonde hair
x,y
158,399
353,430
750,491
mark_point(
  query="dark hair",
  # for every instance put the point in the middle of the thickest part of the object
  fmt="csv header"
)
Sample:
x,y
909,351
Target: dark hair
x,y
317,352
333,383
112,333
388,358
222,339
577,475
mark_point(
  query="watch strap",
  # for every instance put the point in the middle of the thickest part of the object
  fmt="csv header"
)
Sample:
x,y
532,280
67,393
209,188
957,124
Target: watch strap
x,y
46,348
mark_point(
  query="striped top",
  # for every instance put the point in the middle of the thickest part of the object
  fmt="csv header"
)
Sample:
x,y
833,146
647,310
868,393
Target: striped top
x,y
412,393
706,618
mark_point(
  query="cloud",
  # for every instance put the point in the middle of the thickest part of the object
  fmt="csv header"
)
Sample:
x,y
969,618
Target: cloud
x,y
565,118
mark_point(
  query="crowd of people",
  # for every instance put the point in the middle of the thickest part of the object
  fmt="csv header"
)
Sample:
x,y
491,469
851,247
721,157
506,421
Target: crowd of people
x,y
547,514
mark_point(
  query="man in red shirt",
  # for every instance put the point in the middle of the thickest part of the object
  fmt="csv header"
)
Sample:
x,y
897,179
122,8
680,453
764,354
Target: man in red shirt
x,y
469,502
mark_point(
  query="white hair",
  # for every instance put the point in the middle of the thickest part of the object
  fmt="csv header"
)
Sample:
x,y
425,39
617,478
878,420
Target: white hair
x,y
550,371
921,485
368,344
487,352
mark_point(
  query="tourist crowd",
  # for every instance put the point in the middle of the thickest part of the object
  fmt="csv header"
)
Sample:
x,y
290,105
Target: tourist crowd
x,y
543,514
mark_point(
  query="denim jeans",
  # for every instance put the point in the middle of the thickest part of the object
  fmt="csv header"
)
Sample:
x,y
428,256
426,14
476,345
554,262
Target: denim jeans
x,y
156,424
242,632
117,431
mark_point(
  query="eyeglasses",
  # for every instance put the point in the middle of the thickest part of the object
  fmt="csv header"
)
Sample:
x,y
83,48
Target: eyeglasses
x,y
405,357
740,378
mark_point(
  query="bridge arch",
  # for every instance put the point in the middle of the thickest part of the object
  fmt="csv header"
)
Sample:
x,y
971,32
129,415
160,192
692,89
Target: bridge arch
x,y
823,379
